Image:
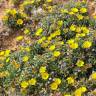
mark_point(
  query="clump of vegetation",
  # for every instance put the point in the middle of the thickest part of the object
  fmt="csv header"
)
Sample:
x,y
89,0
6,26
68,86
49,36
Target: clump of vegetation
x,y
61,59
15,19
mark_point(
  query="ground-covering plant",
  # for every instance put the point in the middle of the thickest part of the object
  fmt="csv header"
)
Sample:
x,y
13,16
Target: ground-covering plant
x,y
59,59
15,19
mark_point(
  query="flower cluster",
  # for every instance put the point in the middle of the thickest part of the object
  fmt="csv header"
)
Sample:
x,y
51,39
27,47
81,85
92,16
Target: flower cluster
x,y
57,50
15,19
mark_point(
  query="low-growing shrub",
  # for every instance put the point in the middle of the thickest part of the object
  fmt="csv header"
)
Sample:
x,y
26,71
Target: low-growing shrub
x,y
62,58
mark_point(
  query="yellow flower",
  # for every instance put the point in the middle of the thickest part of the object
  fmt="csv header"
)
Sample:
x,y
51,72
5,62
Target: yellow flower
x,y
71,13
77,92
77,35
50,8
7,52
54,86
64,11
80,17
25,58
41,40
67,95
49,1
7,60
70,41
78,30
45,44
57,33
80,63
61,43
83,10
73,45
19,21
13,12
93,75
57,81
54,34
27,49
52,47
85,30
72,27
42,69
39,31
56,53
19,38
28,2
49,38
83,89
60,23
70,80
75,10
45,75
24,84
87,44
2,53
80,91
32,81
26,31
82,34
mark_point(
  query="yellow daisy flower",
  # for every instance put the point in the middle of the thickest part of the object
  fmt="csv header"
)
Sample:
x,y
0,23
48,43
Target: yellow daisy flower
x,y
72,27
57,80
57,33
7,52
19,38
80,63
24,84
80,17
25,58
45,75
70,80
52,47
54,86
26,31
42,69
87,44
49,1
32,81
67,95
13,12
70,41
2,53
75,10
93,76
19,21
73,45
83,10
39,31
56,53
60,23
83,89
